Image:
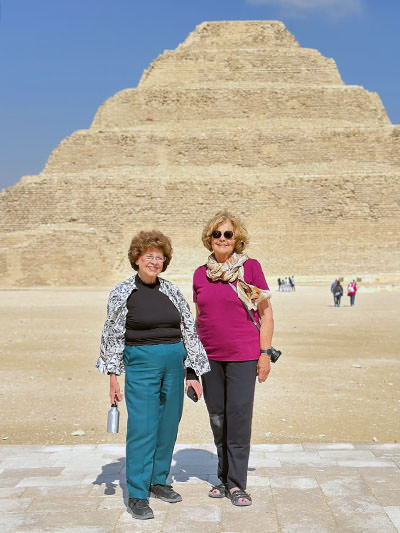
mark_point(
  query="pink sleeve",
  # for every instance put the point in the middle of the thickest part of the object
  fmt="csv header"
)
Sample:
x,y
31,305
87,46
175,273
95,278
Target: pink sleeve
x,y
256,276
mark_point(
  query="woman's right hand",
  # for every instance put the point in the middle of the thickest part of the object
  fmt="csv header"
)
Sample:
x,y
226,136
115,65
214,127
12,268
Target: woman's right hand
x,y
196,385
115,392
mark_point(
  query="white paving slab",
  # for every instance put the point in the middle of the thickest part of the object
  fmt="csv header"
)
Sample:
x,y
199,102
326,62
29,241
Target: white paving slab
x,y
394,515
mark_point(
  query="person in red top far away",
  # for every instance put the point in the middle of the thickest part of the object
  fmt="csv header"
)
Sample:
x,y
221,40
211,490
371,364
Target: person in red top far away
x,y
352,291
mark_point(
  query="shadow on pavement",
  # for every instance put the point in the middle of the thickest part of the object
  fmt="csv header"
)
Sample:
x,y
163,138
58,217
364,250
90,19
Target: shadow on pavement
x,y
113,475
193,463
187,463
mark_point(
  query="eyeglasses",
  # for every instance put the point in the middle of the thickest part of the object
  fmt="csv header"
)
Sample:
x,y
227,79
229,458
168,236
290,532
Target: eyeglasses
x,y
151,258
216,234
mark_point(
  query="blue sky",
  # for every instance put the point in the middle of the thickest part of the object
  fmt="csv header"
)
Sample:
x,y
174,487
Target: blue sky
x,y
60,59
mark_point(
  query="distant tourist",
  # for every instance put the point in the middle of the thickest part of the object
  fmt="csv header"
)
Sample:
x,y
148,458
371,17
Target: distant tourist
x,y
150,335
292,284
279,284
227,290
338,293
333,287
352,291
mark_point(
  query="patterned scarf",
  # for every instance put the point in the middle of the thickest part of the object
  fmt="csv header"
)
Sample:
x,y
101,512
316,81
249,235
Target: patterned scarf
x,y
233,270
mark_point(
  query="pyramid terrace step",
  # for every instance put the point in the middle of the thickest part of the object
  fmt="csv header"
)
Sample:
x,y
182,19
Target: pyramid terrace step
x,y
90,149
240,34
187,67
328,194
134,106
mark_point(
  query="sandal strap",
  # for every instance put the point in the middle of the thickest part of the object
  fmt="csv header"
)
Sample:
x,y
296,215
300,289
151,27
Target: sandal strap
x,y
240,494
220,487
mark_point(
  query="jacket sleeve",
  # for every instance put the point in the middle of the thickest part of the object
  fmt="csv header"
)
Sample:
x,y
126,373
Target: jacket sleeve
x,y
196,355
110,360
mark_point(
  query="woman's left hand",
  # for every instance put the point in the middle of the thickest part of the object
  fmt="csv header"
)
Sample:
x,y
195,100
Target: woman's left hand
x,y
196,385
263,367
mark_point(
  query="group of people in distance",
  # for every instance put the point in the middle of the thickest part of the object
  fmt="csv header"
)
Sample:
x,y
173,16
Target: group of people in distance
x,y
337,292
152,337
286,284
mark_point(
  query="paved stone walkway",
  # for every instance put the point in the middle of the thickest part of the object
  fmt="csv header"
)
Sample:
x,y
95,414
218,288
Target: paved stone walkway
x,y
295,488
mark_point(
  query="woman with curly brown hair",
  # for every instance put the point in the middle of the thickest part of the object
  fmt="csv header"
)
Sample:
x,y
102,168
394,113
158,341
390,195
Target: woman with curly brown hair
x,y
150,335
226,291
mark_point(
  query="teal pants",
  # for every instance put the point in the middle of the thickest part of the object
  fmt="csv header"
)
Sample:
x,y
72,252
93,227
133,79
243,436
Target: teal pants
x,y
154,383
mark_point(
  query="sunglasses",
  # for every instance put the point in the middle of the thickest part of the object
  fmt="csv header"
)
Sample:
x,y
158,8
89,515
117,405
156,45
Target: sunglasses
x,y
216,234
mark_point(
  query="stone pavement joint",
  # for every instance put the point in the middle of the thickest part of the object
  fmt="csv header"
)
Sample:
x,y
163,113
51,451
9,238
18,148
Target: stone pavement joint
x,y
310,487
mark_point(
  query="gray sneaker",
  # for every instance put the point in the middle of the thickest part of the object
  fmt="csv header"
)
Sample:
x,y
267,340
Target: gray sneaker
x,y
139,508
165,493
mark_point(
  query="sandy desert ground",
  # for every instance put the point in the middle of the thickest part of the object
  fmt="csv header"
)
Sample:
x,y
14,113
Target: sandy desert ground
x,y
337,380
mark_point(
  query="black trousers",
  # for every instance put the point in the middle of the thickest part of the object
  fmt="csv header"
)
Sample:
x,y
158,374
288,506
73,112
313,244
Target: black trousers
x,y
229,396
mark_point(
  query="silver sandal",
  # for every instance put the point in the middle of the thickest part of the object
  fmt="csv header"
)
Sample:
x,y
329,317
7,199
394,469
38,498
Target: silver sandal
x,y
237,495
221,491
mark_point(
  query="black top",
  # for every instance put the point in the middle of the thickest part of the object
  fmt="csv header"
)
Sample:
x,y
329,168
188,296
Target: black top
x,y
152,318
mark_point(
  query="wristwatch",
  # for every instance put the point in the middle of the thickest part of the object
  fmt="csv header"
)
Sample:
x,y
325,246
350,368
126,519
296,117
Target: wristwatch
x,y
268,352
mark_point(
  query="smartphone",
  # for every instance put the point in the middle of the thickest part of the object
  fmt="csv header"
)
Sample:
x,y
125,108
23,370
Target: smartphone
x,y
192,394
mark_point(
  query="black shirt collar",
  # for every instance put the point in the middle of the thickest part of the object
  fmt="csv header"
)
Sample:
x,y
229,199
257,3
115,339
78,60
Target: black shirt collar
x,y
140,283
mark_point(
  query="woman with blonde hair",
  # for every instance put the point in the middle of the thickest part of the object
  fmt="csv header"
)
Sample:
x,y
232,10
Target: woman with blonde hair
x,y
227,290
150,335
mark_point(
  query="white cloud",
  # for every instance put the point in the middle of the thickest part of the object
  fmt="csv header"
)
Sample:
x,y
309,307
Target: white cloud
x,y
335,8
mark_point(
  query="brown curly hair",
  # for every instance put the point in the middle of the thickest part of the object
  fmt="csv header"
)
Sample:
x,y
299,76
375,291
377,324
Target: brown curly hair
x,y
149,239
239,229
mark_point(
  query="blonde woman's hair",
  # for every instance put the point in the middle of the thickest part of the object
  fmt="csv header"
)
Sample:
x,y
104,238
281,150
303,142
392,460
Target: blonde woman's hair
x,y
240,232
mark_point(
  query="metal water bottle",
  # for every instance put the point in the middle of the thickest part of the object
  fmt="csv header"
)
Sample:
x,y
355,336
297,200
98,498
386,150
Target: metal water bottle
x,y
113,419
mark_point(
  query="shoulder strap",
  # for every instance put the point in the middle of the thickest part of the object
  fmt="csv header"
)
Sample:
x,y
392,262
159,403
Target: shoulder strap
x,y
248,310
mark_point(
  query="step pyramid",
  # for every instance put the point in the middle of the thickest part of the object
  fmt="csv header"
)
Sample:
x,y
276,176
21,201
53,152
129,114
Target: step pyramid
x,y
239,116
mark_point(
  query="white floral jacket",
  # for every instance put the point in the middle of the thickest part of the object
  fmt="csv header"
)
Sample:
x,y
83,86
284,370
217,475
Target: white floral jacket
x,y
113,336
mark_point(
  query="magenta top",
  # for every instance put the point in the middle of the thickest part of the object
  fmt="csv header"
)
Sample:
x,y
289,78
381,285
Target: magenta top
x,y
223,324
